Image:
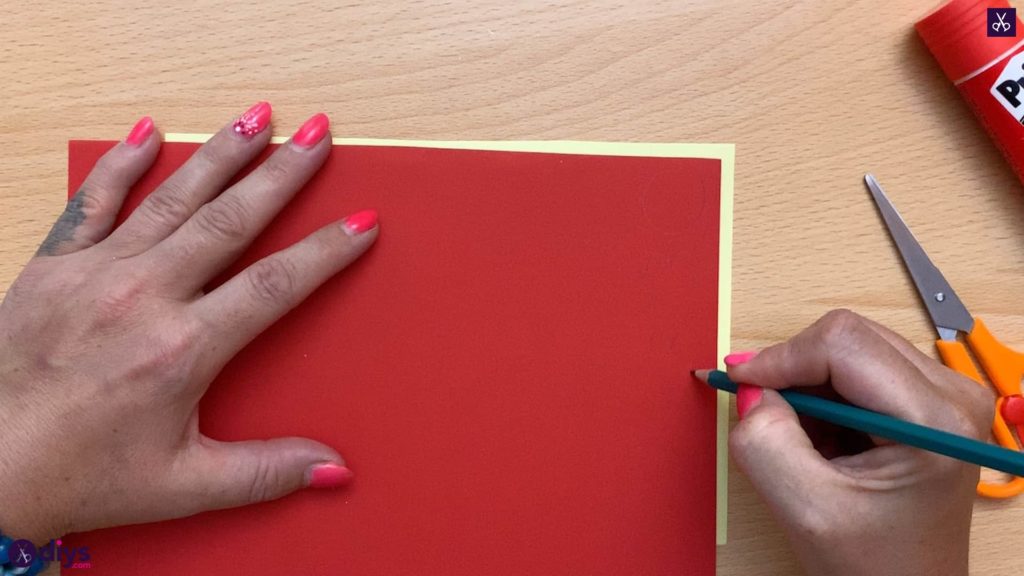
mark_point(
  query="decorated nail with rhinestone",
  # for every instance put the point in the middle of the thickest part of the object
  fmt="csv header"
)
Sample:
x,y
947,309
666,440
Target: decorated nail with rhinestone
x,y
254,121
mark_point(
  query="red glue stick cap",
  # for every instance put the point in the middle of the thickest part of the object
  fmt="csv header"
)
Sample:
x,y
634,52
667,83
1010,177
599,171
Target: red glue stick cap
x,y
957,33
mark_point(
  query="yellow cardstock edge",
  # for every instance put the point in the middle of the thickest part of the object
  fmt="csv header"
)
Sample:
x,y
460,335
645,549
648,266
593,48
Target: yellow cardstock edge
x,y
723,152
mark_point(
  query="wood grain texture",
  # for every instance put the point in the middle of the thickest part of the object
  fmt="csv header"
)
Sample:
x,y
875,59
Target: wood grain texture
x,y
813,93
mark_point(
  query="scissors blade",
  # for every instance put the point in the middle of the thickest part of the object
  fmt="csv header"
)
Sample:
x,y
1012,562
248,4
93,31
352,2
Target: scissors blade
x,y
948,313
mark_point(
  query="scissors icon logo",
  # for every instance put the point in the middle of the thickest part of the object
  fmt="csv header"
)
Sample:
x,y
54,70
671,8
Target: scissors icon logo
x,y
24,556
1002,22
24,553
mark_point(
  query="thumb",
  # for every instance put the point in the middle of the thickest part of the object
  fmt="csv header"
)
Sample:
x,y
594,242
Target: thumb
x,y
230,474
771,448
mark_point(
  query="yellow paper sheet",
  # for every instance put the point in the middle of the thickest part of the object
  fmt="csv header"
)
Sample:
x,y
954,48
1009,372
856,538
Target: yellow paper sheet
x,y
723,152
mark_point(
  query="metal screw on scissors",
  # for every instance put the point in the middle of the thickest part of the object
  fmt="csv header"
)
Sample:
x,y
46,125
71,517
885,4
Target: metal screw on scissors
x,y
1002,24
1003,366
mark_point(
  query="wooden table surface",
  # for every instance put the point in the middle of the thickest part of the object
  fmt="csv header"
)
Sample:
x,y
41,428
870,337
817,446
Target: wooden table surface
x,y
813,94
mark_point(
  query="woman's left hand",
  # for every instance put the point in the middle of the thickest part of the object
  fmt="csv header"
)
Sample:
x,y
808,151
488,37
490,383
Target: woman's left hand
x,y
108,341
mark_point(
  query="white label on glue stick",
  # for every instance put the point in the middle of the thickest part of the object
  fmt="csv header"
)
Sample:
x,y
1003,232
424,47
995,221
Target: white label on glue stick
x,y
1009,87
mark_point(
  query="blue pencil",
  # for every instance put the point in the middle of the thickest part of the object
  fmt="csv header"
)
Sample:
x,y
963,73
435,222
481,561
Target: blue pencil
x,y
901,431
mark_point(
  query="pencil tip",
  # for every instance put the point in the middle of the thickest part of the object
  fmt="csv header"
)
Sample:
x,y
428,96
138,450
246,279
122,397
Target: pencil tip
x,y
701,375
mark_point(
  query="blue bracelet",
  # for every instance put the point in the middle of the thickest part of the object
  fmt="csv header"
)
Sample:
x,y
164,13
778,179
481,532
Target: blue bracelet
x,y
19,557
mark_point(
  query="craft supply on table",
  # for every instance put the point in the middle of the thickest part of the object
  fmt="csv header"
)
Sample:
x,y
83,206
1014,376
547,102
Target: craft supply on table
x,y
889,427
980,46
501,371
1003,366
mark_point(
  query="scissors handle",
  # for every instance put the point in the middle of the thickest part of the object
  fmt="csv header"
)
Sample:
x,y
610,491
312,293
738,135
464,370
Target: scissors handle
x,y
954,354
1003,366
1003,436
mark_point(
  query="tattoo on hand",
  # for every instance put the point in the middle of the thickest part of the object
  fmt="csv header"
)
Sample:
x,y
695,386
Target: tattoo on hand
x,y
65,226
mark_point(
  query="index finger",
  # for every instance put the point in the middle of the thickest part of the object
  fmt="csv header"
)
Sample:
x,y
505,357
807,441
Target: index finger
x,y
842,350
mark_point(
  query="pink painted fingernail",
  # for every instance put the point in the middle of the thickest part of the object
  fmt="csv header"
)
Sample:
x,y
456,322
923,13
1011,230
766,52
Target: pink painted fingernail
x,y
254,120
737,358
747,397
328,476
360,222
312,131
140,132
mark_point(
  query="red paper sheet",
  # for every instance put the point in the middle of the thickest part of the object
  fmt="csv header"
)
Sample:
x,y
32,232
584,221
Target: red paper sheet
x,y
507,373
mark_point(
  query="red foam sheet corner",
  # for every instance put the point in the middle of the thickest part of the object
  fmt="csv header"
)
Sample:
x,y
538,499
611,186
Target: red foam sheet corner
x,y
506,371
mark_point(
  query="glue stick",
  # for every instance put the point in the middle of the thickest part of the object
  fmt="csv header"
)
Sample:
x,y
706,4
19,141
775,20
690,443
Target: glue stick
x,y
980,46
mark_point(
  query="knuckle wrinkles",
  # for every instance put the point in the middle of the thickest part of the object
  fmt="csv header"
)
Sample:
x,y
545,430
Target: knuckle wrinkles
x,y
265,480
174,349
764,426
273,280
975,407
108,165
86,202
169,358
838,325
977,416
224,219
745,435
275,171
331,243
984,413
213,156
982,400
965,421
168,205
739,440
751,434
104,172
118,302
814,524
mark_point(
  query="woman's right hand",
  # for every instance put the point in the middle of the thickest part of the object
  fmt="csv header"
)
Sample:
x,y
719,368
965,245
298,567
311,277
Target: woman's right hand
x,y
888,508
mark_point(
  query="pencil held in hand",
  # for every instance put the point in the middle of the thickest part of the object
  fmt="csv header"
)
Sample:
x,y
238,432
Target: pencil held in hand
x,y
884,426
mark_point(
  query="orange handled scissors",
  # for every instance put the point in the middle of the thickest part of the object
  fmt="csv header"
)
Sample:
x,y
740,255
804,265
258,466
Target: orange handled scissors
x,y
1003,366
